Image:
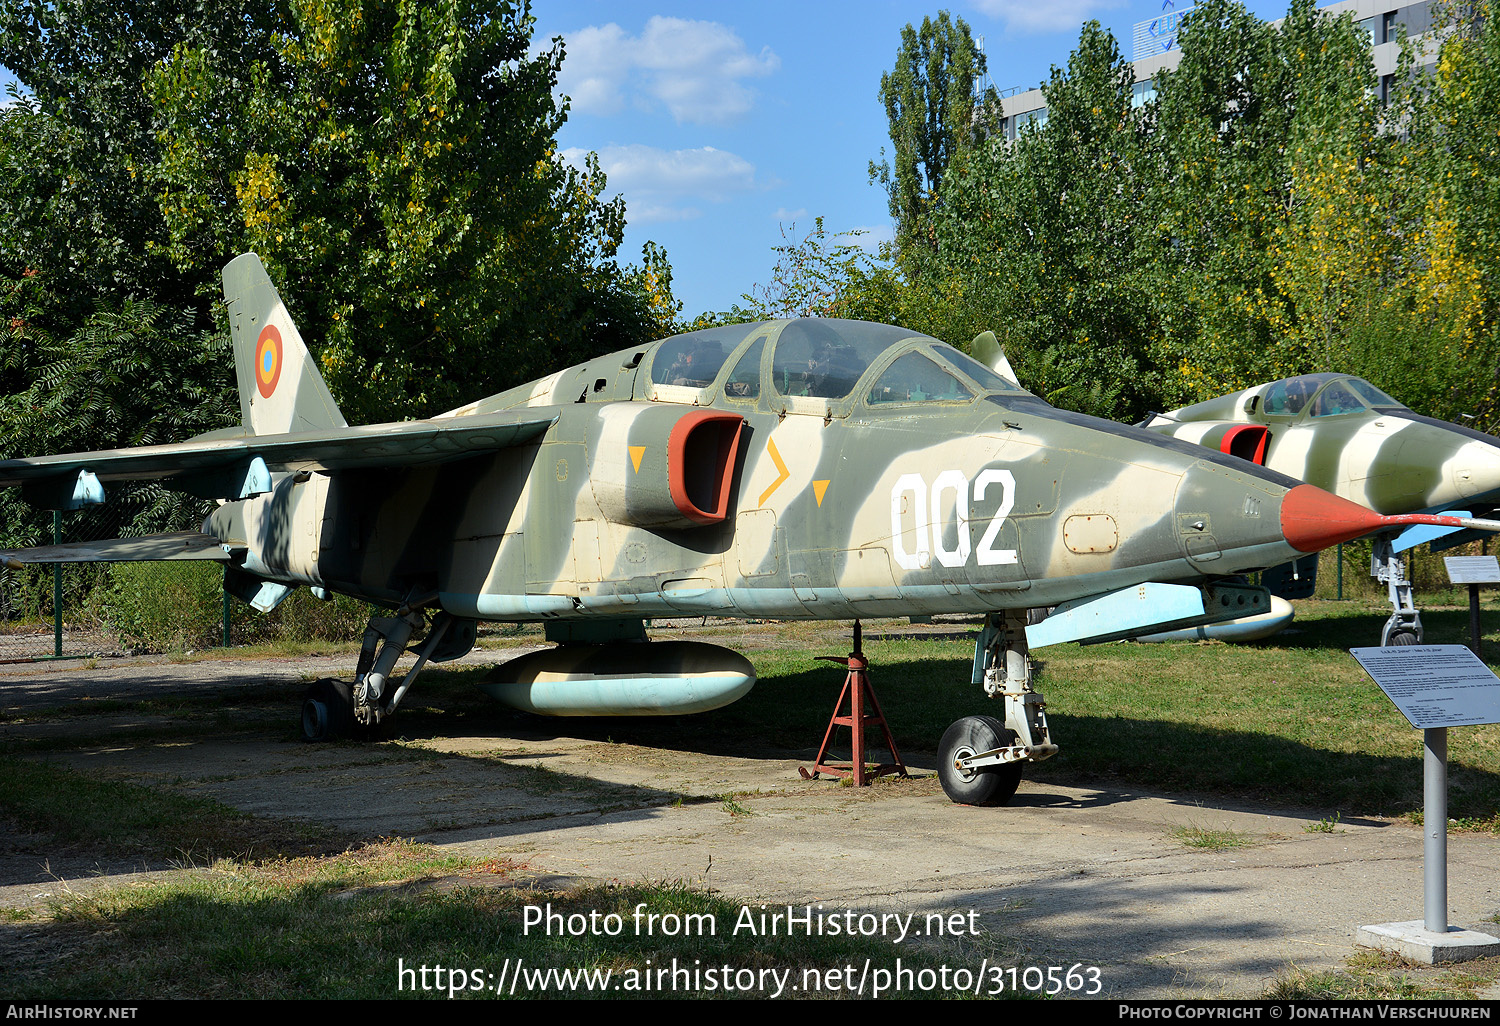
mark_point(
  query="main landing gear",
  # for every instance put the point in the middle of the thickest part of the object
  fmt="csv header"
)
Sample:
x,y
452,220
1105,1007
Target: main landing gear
x,y
980,757
334,708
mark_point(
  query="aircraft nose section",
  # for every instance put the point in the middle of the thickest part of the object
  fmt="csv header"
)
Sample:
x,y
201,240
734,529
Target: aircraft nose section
x,y
1475,470
1228,519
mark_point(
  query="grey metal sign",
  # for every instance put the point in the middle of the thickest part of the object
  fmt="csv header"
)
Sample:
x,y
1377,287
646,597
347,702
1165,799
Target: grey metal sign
x,y
1473,569
1434,685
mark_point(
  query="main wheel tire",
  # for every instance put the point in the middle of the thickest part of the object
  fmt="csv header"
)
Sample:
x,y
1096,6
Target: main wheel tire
x,y
327,710
992,785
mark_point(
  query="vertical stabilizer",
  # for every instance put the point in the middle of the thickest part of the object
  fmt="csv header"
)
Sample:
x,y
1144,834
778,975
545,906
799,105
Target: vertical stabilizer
x,y
281,390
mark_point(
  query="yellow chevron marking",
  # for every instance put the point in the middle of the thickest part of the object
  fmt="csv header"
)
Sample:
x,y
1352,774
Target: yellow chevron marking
x,y
780,467
636,452
819,487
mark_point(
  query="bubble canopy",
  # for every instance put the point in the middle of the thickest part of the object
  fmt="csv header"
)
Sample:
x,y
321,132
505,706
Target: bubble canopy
x,y
825,358
1323,395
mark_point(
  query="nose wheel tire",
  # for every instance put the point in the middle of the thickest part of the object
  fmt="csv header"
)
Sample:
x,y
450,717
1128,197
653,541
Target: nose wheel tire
x,y
990,785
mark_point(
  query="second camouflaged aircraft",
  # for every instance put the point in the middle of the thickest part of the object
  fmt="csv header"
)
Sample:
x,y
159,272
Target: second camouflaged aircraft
x,y
1343,434
816,469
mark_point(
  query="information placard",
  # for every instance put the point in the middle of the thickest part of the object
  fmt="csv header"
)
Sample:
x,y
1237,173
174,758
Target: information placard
x,y
1473,569
1434,685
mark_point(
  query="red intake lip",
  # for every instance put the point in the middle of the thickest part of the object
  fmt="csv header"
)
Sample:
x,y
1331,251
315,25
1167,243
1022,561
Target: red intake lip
x,y
1312,519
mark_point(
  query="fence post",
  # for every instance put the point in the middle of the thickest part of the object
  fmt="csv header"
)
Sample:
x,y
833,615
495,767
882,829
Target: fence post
x,y
57,586
1341,571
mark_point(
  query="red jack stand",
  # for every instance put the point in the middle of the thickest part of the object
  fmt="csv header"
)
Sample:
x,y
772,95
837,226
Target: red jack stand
x,y
858,688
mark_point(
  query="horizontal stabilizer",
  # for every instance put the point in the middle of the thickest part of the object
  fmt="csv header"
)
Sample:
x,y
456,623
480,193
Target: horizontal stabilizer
x,y
178,545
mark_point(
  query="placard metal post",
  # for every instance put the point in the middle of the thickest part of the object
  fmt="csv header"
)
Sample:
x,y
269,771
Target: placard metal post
x,y
1473,571
1435,829
1435,687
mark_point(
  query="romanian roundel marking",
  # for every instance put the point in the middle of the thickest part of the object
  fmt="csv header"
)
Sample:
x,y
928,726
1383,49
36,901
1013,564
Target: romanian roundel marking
x,y
268,360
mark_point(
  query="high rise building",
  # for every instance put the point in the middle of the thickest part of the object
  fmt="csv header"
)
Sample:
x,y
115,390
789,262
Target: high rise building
x,y
1155,48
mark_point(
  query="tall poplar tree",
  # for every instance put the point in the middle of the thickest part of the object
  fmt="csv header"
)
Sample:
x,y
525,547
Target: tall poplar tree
x,y
935,112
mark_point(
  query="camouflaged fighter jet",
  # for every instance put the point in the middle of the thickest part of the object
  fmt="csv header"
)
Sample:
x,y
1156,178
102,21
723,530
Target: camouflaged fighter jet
x,y
802,469
1348,437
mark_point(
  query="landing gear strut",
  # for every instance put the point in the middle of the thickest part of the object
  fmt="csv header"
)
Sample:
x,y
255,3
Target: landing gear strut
x,y
333,708
979,762
1405,624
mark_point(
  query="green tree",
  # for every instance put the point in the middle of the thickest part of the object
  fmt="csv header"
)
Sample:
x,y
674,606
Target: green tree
x,y
1222,123
934,113
1295,231
1453,116
133,373
1044,235
401,155
73,152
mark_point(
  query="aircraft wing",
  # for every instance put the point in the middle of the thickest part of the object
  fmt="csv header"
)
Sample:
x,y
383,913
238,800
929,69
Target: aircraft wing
x,y
236,465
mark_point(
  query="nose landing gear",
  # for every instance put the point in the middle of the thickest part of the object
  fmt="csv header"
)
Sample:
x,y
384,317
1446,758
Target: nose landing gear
x,y
979,758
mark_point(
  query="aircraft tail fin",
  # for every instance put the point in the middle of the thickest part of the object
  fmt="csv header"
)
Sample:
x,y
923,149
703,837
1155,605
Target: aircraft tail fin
x,y
281,391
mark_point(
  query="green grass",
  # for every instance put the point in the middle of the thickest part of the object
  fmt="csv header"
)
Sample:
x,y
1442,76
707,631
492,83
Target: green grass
x,y
71,810
1211,839
343,927
1293,720
1381,975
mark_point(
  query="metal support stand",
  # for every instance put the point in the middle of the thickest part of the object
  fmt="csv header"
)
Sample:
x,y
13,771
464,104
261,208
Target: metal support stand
x,y
1431,939
1431,685
858,689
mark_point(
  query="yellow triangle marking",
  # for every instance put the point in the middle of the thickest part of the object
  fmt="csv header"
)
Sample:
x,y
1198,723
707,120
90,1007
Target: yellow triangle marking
x,y
636,452
780,467
819,487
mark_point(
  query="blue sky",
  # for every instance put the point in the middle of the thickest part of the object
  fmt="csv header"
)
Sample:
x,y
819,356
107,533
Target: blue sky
x,y
725,125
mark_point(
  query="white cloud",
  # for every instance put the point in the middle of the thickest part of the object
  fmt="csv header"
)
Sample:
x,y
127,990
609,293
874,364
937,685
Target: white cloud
x,y
786,216
658,184
695,69
871,237
1049,16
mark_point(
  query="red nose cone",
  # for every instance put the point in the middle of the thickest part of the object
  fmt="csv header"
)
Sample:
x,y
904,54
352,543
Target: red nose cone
x,y
1312,519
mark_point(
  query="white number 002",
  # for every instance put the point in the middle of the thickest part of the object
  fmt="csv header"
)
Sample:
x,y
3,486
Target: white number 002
x,y
930,535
